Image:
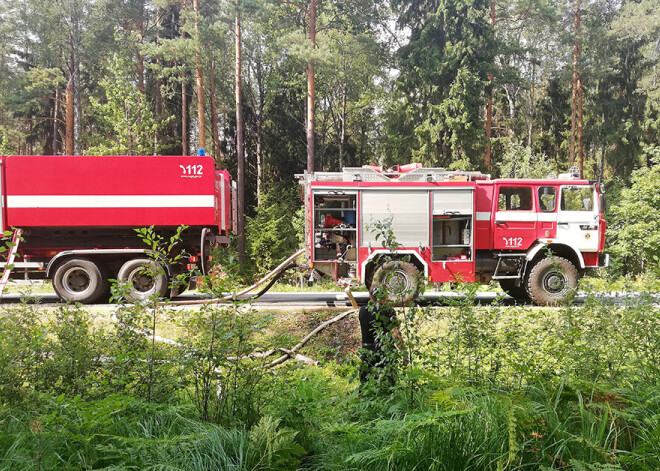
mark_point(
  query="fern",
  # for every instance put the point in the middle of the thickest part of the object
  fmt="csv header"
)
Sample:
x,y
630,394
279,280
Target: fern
x,y
277,446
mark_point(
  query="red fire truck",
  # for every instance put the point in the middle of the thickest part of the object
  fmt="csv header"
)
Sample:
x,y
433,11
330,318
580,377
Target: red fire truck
x,y
77,217
535,237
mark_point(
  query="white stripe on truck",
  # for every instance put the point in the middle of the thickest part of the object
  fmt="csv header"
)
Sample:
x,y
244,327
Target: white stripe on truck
x,y
110,201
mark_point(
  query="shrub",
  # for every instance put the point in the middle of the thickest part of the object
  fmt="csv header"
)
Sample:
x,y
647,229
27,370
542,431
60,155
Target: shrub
x,y
273,234
634,223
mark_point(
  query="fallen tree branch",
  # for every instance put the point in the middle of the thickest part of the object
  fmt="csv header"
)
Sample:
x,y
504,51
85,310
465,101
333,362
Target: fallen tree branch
x,y
307,338
292,353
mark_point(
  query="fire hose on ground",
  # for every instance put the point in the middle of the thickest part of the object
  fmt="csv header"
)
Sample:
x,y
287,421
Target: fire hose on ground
x,y
273,276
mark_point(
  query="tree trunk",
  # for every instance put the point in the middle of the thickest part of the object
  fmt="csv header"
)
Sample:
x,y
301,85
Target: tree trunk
x,y
342,138
185,147
214,117
240,152
159,84
260,164
140,59
489,104
260,106
29,145
56,112
530,125
310,90
580,127
601,170
201,122
576,83
68,143
74,42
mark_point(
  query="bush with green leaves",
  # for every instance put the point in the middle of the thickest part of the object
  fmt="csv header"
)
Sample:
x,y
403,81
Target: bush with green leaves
x,y
634,223
222,379
486,387
520,161
275,231
23,352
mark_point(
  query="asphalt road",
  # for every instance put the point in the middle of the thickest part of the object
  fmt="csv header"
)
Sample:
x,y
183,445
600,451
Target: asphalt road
x,y
330,299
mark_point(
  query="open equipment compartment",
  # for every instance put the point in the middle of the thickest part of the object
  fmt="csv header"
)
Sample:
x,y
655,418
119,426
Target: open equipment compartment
x,y
335,226
452,217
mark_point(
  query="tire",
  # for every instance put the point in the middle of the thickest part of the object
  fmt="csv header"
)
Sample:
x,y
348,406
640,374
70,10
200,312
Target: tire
x,y
519,293
551,281
396,283
80,280
146,278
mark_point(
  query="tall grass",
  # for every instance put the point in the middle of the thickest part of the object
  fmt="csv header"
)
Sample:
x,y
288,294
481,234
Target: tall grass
x,y
487,388
121,433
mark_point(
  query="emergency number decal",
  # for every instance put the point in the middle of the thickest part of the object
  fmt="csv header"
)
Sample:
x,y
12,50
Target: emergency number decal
x,y
513,241
191,171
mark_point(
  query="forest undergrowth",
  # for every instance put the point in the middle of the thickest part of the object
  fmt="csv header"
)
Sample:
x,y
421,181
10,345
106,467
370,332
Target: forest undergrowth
x,y
477,387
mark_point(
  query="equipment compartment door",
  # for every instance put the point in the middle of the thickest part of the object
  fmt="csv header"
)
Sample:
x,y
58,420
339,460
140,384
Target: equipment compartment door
x,y
452,224
405,211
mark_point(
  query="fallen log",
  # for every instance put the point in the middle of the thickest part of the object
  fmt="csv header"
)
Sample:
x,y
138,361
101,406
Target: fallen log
x,y
293,352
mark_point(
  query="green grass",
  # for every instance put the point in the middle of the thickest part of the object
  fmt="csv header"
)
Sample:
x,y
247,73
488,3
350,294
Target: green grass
x,y
28,289
647,282
487,388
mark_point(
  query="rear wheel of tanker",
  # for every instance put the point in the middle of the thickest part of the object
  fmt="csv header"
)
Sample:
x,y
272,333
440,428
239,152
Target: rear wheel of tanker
x,y
79,280
396,283
144,278
552,280
519,293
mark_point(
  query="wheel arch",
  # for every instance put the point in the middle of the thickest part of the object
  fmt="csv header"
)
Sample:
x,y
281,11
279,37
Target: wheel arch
x,y
369,263
101,256
540,250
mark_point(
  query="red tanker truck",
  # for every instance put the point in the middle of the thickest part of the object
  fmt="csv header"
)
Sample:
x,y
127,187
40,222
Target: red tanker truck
x,y
77,217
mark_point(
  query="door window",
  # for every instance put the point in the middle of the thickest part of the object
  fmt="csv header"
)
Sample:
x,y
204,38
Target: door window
x,y
547,198
577,198
515,199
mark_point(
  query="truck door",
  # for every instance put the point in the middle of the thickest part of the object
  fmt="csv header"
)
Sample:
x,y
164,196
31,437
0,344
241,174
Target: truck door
x,y
578,217
515,219
547,212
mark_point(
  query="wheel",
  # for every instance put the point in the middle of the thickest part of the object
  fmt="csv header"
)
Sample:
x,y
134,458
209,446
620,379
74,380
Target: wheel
x,y
145,277
79,280
551,281
396,282
519,293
